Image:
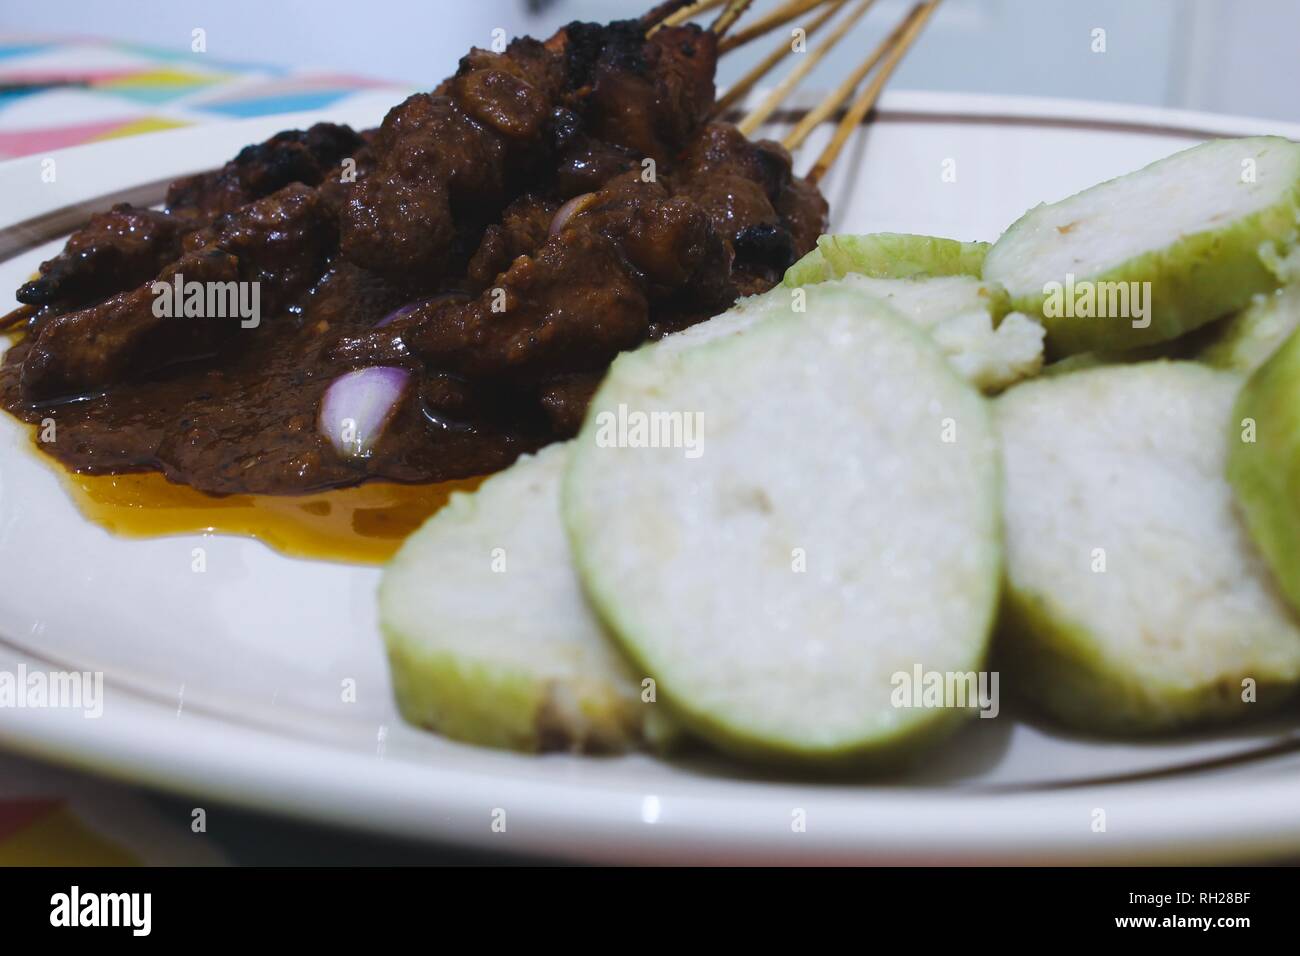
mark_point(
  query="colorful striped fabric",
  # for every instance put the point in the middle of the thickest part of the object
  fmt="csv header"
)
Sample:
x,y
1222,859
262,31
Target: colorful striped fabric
x,y
57,93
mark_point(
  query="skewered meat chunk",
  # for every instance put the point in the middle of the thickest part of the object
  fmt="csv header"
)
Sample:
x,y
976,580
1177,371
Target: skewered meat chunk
x,y
589,163
669,241
576,301
282,242
87,350
513,92
768,216
648,96
506,235
721,149
116,250
524,226
292,156
123,247
445,163
279,242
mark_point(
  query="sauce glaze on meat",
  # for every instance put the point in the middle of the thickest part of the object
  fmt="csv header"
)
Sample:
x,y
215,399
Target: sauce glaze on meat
x,y
542,210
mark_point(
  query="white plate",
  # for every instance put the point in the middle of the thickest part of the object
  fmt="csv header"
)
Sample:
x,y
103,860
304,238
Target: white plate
x,y
228,684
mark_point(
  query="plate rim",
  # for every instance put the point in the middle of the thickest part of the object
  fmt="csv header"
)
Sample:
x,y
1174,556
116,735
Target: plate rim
x,y
603,822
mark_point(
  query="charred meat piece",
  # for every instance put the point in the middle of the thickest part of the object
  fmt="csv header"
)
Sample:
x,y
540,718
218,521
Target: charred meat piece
x,y
722,149
293,156
523,228
670,241
398,229
125,246
90,349
282,242
768,216
646,95
588,163
279,242
447,162
581,297
573,305
514,92
398,219
116,250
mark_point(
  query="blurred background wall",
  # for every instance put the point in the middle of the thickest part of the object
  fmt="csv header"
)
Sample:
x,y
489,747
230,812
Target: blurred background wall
x,y
1236,56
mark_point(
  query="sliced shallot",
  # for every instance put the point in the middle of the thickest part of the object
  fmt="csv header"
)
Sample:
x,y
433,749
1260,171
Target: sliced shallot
x,y
570,209
358,405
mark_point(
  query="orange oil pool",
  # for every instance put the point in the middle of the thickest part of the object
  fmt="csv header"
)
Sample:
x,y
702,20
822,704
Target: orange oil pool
x,y
364,524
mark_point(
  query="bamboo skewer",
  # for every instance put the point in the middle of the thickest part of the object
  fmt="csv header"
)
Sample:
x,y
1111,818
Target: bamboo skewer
x,y
732,12
887,55
658,15
17,316
823,110
686,13
764,25
912,28
807,62
765,66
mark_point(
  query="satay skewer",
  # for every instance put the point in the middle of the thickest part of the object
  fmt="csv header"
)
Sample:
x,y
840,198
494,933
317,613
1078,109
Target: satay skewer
x,y
807,62
866,100
725,20
687,12
16,317
772,21
747,82
670,11
766,24
837,98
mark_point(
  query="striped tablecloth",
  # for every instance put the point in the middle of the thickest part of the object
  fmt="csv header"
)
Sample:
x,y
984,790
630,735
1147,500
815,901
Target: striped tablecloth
x,y
57,93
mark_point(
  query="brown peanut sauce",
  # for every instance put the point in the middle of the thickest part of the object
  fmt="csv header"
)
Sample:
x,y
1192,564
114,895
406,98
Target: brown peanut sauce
x,y
231,446
245,422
